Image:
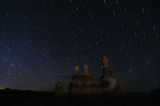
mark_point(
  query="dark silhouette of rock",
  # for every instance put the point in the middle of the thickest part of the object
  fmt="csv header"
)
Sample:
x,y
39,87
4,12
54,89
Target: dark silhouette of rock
x,y
58,88
157,91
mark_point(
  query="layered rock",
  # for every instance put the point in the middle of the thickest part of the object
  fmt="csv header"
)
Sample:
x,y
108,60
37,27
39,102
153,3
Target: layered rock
x,y
86,84
110,82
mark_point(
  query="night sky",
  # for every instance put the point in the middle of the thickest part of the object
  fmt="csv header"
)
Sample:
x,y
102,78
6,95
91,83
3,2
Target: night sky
x,y
42,40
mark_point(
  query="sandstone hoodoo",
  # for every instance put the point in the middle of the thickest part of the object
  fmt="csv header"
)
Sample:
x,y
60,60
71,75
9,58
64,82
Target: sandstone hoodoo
x,y
86,84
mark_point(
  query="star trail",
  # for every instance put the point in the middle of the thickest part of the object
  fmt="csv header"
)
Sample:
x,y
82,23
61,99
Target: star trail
x,y
42,40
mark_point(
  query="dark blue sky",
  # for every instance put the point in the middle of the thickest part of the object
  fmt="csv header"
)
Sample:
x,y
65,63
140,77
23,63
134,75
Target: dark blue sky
x,y
42,40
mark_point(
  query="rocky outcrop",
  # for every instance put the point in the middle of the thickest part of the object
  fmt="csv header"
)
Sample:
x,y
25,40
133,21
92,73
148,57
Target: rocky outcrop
x,y
110,82
59,88
86,84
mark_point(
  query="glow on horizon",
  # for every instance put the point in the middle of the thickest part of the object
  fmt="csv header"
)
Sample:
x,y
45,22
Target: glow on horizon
x,y
1,88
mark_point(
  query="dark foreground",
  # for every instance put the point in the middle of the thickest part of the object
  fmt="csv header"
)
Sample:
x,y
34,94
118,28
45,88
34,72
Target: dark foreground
x,y
29,98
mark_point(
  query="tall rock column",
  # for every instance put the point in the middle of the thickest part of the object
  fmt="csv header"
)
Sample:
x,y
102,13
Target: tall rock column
x,y
109,81
77,70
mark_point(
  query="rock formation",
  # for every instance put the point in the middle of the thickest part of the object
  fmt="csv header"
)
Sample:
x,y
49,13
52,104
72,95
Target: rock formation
x,y
58,88
109,81
86,84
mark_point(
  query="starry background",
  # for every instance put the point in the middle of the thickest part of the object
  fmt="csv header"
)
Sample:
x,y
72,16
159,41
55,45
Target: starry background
x,y
42,40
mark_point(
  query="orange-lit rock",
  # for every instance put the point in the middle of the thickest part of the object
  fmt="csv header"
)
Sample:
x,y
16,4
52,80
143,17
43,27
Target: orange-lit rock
x,y
110,82
86,84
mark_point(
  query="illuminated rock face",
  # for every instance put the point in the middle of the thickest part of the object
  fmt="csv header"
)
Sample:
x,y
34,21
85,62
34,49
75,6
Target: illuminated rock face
x,y
112,85
86,84
110,82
